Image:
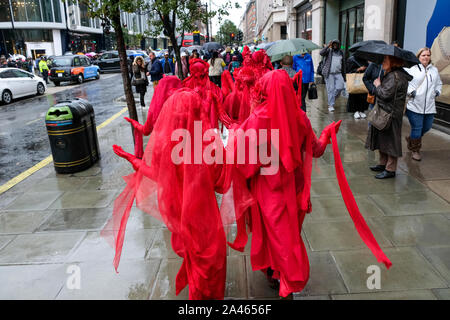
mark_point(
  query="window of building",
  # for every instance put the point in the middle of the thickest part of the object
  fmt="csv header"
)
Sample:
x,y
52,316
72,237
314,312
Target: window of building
x,y
351,27
5,15
33,10
304,22
57,11
283,32
84,17
19,11
47,12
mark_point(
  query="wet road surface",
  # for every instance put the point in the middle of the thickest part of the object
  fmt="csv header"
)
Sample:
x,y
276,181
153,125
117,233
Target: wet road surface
x,y
23,135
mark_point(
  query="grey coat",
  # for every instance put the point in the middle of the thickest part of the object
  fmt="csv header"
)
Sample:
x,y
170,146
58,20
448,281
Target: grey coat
x,y
327,53
391,97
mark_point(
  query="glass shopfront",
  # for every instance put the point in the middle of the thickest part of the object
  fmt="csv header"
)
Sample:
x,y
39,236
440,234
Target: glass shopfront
x,y
31,10
351,27
304,22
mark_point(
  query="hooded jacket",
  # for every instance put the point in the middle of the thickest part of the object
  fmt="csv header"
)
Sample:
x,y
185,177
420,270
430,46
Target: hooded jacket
x,y
306,65
426,81
327,53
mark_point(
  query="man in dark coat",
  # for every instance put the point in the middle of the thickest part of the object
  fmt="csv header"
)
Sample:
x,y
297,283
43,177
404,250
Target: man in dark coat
x,y
156,70
333,72
167,65
391,96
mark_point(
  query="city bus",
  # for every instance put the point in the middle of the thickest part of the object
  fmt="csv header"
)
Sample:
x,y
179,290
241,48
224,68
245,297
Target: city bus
x,y
189,40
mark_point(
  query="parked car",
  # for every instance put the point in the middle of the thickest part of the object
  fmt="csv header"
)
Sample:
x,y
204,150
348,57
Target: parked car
x,y
16,83
75,68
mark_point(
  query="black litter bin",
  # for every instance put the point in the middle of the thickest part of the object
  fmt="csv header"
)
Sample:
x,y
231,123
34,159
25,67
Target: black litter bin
x,y
73,135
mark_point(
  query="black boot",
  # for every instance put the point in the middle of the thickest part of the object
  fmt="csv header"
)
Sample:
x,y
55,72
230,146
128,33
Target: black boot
x,y
378,168
385,175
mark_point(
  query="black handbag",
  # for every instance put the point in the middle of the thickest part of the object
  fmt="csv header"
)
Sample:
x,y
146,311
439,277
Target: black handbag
x,y
320,68
137,82
312,92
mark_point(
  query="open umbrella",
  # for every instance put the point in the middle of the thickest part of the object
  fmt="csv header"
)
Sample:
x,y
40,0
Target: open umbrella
x,y
375,52
265,45
360,44
212,46
291,47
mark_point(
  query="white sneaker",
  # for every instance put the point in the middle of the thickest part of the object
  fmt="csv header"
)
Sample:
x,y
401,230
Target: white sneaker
x,y
356,115
330,109
362,115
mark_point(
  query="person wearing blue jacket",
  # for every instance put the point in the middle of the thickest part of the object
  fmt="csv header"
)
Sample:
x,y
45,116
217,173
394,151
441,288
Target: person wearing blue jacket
x,y
167,65
156,70
304,62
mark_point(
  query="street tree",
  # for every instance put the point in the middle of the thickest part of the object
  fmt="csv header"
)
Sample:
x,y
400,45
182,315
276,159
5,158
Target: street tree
x,y
175,17
224,34
108,11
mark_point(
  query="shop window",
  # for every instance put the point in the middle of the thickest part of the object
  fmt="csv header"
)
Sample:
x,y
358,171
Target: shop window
x,y
283,32
304,22
5,15
57,11
33,10
19,11
47,12
351,27
84,17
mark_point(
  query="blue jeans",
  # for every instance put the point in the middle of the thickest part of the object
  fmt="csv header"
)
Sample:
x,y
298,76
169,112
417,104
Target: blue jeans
x,y
420,123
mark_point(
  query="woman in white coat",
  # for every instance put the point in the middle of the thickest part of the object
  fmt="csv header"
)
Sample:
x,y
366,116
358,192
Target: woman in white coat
x,y
421,107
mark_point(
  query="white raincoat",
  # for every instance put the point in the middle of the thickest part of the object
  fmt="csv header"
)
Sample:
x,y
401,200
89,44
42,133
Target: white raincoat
x,y
426,82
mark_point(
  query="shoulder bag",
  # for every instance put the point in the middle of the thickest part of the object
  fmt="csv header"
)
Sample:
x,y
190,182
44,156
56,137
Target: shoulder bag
x,y
380,118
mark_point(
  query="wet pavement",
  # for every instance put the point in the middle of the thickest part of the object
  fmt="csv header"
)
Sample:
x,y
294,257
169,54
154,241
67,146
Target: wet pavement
x,y
22,126
50,223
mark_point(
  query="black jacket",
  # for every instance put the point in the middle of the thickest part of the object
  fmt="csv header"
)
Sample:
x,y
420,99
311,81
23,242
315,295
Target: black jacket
x,y
327,53
372,73
156,71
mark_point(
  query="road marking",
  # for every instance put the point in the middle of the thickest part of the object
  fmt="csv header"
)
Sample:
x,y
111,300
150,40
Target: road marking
x,y
11,183
33,121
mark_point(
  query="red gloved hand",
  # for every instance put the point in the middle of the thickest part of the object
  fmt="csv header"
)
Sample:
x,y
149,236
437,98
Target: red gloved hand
x,y
136,125
136,162
326,133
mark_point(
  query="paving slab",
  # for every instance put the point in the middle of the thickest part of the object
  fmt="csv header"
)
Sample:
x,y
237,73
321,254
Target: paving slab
x,y
439,257
32,282
425,230
40,248
409,270
442,294
236,283
76,219
96,248
339,235
164,287
161,247
85,199
395,295
33,201
99,280
57,184
411,203
22,221
258,287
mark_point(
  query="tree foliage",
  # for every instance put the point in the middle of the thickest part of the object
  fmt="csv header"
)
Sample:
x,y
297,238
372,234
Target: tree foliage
x,y
227,28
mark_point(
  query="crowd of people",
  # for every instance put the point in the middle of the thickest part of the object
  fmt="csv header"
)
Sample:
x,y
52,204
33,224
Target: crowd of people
x,y
176,181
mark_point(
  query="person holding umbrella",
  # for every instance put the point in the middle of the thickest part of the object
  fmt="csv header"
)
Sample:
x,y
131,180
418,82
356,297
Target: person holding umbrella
x,y
333,72
391,97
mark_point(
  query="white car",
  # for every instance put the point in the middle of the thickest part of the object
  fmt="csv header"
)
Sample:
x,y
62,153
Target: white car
x,y
16,83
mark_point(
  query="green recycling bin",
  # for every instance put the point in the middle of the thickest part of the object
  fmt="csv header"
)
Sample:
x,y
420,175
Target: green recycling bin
x,y
73,137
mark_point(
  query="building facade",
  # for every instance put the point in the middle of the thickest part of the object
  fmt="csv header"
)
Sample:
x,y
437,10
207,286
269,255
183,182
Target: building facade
x,y
249,23
53,27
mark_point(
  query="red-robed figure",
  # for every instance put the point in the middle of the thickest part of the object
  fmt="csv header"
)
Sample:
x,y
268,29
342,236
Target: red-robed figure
x,y
282,196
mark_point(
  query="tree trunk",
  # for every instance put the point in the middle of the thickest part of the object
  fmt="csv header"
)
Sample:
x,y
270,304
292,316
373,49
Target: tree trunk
x,y
176,48
124,66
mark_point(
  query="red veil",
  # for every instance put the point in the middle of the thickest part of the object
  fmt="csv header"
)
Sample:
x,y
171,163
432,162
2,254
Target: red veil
x,y
165,88
171,185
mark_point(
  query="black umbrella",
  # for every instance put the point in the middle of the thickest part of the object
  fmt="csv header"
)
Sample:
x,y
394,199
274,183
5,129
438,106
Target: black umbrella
x,y
212,46
358,45
375,52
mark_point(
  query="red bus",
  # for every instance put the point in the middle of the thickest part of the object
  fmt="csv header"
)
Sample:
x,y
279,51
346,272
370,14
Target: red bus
x,y
189,40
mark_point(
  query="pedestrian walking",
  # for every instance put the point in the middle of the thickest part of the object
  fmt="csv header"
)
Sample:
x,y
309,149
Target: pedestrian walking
x,y
333,71
423,90
184,65
233,65
228,56
304,62
43,69
140,80
391,97
216,66
167,65
156,71
357,103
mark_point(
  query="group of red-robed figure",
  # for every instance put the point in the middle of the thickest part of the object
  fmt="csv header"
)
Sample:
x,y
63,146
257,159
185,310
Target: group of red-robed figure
x,y
183,195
